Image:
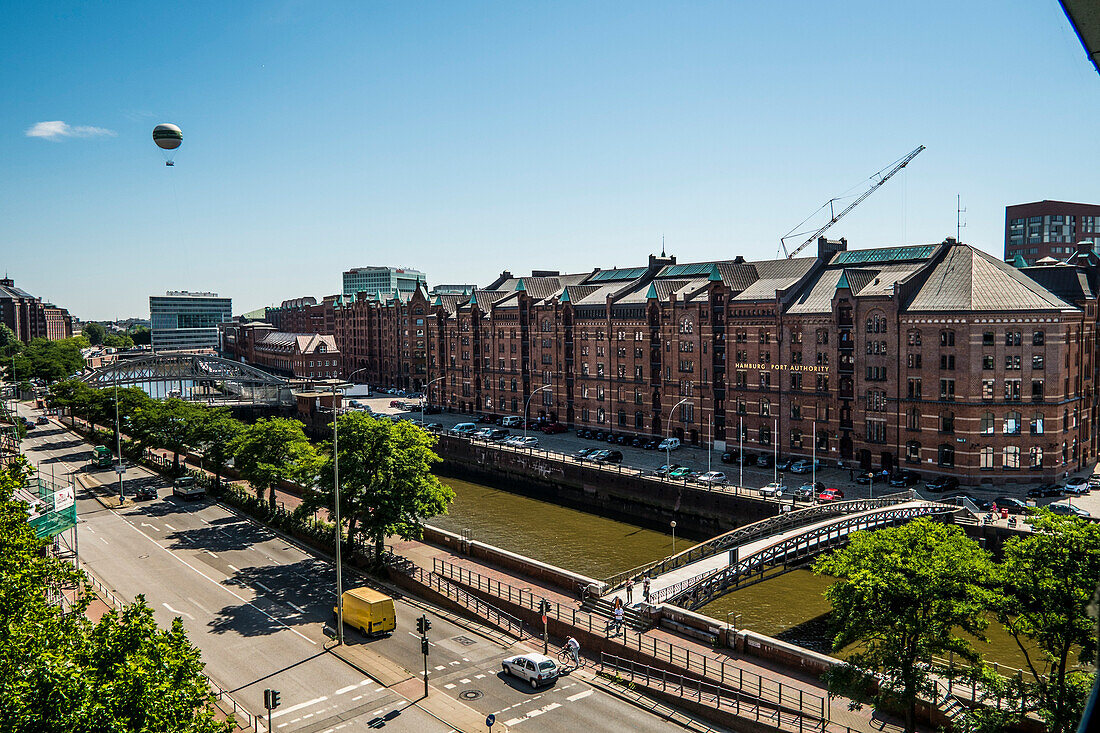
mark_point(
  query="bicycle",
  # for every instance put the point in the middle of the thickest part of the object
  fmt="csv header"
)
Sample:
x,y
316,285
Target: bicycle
x,y
566,661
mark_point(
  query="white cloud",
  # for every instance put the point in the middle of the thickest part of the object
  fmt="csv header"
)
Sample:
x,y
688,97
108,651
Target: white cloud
x,y
58,130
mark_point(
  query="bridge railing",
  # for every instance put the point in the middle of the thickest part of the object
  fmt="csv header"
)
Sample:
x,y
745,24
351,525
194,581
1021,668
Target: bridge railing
x,y
705,586
767,691
755,531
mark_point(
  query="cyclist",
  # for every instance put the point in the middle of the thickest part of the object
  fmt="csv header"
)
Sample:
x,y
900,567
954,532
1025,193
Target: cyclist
x,y
574,649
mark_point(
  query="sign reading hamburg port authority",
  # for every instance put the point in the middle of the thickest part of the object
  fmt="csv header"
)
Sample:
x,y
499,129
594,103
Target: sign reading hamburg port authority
x,y
764,366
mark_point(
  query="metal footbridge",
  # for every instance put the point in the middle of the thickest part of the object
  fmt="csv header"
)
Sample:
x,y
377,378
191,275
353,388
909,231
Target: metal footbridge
x,y
195,377
770,547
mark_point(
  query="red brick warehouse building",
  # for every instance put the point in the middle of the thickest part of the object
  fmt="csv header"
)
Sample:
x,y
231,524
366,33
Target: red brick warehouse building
x,y
939,357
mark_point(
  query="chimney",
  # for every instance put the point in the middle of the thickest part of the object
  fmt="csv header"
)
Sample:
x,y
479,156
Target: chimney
x,y
738,260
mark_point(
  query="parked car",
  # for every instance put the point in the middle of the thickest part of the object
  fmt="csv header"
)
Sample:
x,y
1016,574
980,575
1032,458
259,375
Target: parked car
x,y
584,453
712,477
666,469
774,490
554,428
942,483
669,444
683,472
764,460
529,442
830,495
904,478
434,426
1077,486
1045,490
729,457
877,476
808,491
1069,510
1012,504
804,466
497,434
609,456
482,433
637,442
784,464
511,421
463,428
42,420
650,444
1094,481
534,668
433,410
599,435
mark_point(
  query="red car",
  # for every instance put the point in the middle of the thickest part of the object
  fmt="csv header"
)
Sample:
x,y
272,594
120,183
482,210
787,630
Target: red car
x,y
830,495
554,428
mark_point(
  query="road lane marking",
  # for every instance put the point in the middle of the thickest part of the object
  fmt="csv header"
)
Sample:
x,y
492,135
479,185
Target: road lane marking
x,y
299,610
178,613
234,568
579,696
197,604
349,688
513,721
263,586
169,526
449,686
299,706
208,552
207,577
104,540
146,524
439,667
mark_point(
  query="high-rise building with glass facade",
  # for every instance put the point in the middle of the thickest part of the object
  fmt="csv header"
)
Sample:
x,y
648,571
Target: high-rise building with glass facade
x,y
384,280
189,321
1043,229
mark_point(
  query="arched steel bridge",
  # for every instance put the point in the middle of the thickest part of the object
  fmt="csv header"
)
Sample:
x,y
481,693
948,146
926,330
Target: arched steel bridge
x,y
196,377
770,547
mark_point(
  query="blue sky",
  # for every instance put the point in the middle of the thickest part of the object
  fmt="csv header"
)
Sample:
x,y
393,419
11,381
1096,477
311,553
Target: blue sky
x,y
466,138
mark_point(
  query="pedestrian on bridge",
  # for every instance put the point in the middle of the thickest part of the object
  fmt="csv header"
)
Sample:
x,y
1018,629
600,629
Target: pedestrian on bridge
x,y
645,589
630,590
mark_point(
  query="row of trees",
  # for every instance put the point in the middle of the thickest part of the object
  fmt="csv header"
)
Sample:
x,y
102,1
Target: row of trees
x,y
909,594
61,672
386,484
41,358
97,335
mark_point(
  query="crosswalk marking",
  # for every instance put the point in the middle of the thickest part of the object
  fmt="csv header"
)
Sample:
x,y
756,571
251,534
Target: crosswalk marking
x,y
299,706
579,695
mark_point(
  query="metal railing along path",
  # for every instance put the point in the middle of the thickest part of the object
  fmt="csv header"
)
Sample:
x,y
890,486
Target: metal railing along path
x,y
766,691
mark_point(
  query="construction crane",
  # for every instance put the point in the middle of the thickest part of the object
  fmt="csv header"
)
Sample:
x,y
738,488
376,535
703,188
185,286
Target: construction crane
x,y
834,217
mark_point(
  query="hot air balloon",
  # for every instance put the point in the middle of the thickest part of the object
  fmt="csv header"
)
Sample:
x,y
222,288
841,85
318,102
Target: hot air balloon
x,y
168,138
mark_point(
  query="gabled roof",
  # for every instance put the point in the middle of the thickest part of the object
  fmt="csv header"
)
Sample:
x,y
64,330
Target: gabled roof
x,y
967,279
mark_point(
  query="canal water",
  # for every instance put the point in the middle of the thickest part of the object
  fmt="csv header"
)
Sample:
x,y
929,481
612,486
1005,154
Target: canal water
x,y
790,607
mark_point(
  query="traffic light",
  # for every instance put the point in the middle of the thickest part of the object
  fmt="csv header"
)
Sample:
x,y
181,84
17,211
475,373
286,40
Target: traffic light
x,y
271,699
424,646
544,606
422,625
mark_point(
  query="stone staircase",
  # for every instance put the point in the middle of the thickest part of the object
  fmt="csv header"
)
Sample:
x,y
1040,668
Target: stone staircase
x,y
604,607
955,711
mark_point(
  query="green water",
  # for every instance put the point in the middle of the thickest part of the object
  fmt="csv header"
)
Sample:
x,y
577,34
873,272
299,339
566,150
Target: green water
x,y
790,606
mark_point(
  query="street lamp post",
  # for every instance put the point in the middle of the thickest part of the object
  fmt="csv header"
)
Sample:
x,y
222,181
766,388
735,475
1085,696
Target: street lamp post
x,y
668,430
118,445
528,404
336,512
427,396
673,525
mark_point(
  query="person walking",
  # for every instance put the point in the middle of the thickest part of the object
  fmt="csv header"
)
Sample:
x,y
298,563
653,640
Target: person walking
x,y
630,591
645,589
618,617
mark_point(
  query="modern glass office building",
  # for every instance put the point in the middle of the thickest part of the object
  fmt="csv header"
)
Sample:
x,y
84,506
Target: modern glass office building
x,y
189,321
382,280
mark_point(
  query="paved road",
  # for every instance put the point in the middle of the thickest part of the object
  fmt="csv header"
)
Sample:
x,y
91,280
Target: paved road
x,y
256,607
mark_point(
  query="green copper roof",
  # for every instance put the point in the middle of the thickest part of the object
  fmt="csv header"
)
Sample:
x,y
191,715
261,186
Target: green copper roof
x,y
520,287
564,296
715,275
1019,261
696,269
889,254
843,282
652,291
632,273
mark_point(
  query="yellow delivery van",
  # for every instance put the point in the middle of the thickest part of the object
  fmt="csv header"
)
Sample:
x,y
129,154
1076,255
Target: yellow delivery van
x,y
369,611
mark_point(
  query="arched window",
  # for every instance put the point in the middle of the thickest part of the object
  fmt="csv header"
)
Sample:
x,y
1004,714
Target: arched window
x,y
912,451
1036,460
1037,424
1012,456
946,454
989,421
686,325
1012,423
985,457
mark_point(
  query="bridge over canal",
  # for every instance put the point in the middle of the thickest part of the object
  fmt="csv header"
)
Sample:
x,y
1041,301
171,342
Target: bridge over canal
x,y
767,548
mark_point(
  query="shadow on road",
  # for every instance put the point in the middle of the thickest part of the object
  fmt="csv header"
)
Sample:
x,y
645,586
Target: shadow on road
x,y
282,591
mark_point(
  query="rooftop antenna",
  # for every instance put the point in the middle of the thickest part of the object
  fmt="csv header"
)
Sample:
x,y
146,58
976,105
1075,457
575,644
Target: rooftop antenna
x,y
662,245
959,211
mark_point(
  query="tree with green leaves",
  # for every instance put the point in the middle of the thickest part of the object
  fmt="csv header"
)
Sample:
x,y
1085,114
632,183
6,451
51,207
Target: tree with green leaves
x,y
118,341
386,483
61,672
9,342
167,424
141,336
901,597
49,360
272,450
1047,580
94,332
215,433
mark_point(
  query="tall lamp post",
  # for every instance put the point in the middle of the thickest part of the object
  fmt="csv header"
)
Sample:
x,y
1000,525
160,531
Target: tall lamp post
x,y
118,445
668,430
336,513
528,404
427,396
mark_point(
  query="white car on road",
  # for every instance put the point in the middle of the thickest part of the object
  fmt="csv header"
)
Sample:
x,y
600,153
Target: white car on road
x,y
774,490
535,668
669,444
